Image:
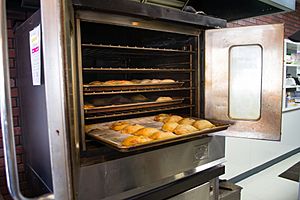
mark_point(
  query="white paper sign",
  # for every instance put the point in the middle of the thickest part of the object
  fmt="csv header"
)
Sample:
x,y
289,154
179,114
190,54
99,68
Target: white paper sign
x,y
35,54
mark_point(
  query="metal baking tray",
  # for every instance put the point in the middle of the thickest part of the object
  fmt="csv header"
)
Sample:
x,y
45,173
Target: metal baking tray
x,y
101,132
99,88
130,106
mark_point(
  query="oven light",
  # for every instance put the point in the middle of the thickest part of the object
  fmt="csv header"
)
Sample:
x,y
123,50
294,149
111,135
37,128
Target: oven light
x,y
135,23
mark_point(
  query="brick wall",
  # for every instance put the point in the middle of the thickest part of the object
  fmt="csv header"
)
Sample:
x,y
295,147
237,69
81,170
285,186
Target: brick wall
x,y
14,18
291,21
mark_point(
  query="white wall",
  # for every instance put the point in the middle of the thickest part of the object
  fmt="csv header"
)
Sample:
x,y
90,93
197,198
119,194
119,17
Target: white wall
x,y
245,154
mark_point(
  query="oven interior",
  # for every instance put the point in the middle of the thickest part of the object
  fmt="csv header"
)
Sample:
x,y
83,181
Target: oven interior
x,y
113,52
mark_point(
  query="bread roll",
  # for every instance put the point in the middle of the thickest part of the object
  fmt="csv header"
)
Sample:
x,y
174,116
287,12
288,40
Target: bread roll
x,y
87,106
145,81
100,102
162,99
182,129
135,140
173,118
169,126
135,81
203,124
139,98
167,81
162,135
117,82
95,83
117,126
146,131
155,81
188,121
131,129
161,117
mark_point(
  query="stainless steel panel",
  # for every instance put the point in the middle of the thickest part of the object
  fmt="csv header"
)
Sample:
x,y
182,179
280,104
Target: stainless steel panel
x,y
131,175
56,36
198,193
218,44
136,22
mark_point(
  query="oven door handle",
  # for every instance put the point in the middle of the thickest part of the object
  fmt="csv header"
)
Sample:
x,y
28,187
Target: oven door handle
x,y
6,116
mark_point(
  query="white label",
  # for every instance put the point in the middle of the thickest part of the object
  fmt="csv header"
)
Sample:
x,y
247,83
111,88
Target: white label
x,y
35,54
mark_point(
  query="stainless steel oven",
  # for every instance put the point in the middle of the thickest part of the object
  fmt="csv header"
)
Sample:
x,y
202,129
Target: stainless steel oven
x,y
228,76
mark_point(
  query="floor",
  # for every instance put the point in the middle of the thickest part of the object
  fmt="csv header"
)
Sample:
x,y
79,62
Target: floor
x,y
266,185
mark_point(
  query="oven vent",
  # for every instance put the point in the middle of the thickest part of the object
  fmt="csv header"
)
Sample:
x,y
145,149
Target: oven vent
x,y
178,4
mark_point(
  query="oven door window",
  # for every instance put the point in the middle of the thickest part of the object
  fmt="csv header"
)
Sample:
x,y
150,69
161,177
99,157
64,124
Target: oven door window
x,y
243,80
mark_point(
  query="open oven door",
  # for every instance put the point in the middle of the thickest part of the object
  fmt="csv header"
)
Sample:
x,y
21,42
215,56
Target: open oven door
x,y
243,80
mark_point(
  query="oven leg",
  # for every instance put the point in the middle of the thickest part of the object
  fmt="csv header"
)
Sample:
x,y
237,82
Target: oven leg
x,y
215,188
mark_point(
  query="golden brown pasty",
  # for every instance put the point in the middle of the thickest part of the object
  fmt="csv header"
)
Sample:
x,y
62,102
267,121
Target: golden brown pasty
x,y
162,99
87,106
161,117
95,83
117,126
131,129
169,126
183,129
188,121
203,124
162,135
117,82
167,81
173,118
135,140
146,131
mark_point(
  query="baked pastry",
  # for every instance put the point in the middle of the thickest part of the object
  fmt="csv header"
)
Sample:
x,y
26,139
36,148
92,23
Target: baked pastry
x,y
131,129
155,81
169,126
139,98
118,99
135,81
161,117
146,131
87,106
188,121
162,135
100,102
173,118
167,81
203,124
95,83
135,140
117,82
117,126
162,99
183,129
145,81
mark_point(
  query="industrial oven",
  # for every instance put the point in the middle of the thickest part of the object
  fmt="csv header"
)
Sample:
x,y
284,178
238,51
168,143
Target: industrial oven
x,y
231,76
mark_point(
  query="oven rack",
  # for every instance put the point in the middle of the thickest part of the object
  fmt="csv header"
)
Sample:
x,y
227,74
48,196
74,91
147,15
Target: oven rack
x,y
136,91
121,114
122,69
136,48
132,106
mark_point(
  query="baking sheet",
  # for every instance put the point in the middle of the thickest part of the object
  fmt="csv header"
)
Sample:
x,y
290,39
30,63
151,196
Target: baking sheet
x,y
99,88
104,134
130,106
